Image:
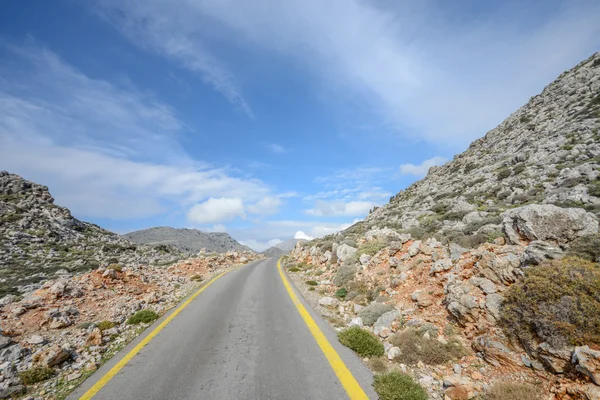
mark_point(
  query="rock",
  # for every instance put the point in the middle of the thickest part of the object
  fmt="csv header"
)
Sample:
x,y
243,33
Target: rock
x,y
539,251
456,251
11,353
94,338
441,265
547,222
493,352
457,368
53,356
12,392
385,321
356,322
457,392
344,252
493,303
413,250
587,362
328,301
110,273
460,301
393,353
58,288
59,319
36,339
486,285
555,360
4,341
73,376
357,307
8,299
364,259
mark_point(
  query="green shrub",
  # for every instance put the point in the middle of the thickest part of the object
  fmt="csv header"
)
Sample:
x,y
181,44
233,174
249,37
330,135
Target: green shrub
x,y
455,215
556,302
373,311
513,390
364,343
371,248
417,232
104,325
440,208
503,173
397,386
294,269
35,375
115,267
379,364
594,188
142,316
344,274
519,168
312,283
341,293
414,347
196,278
586,247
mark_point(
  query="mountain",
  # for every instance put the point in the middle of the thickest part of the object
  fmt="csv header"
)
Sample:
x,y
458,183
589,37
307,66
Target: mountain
x,y
39,239
282,248
487,270
187,240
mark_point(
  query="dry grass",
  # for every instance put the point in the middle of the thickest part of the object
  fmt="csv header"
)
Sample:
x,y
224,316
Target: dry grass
x,y
415,347
513,391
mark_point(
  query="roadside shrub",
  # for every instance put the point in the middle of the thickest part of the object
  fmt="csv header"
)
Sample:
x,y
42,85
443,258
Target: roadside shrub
x,y
556,302
294,269
364,343
586,247
142,316
373,311
513,390
397,386
35,375
415,347
341,293
344,274
379,365
197,278
312,283
371,248
104,325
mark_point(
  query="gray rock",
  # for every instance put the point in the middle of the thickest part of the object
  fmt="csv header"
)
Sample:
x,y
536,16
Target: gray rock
x,y
547,222
493,303
4,341
441,265
413,250
394,352
12,391
456,251
385,321
328,301
587,362
344,252
12,353
364,259
539,251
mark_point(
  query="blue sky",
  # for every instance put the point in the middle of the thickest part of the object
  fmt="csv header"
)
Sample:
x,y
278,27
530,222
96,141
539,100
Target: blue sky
x,y
263,118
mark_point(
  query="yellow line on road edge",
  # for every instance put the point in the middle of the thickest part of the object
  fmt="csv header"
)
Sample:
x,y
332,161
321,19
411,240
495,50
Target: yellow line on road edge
x,y
355,392
114,370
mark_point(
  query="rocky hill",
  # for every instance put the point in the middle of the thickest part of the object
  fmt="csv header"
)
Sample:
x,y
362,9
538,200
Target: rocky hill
x,y
187,240
40,240
282,248
481,280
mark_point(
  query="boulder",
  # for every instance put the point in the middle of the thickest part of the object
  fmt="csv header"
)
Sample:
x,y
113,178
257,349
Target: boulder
x,y
547,222
364,259
328,301
587,362
344,252
385,321
54,355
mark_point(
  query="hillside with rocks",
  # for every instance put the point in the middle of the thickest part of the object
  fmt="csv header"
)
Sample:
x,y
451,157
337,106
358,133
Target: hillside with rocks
x,y
282,248
187,240
40,240
482,279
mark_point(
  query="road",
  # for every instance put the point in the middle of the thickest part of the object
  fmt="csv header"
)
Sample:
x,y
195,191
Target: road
x,y
241,338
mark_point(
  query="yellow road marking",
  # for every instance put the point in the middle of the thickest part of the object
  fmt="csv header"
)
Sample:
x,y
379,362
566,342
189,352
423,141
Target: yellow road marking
x,y
355,392
115,370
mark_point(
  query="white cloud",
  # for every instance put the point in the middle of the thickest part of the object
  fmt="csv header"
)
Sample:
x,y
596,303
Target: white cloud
x,y
276,148
217,228
216,210
421,169
340,208
408,64
266,205
302,235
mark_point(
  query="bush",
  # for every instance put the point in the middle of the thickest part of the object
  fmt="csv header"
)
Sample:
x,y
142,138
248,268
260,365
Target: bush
x,y
371,248
379,365
196,278
294,269
503,173
594,188
344,274
511,391
397,386
104,325
142,316
115,267
35,375
415,347
341,293
373,311
556,302
312,283
364,343
586,247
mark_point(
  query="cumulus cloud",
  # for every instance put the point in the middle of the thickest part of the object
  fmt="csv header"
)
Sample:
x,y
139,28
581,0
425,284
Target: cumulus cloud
x,y
421,169
216,210
340,208
303,236
266,205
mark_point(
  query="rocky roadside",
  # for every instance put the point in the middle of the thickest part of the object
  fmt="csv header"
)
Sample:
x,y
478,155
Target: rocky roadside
x,y
55,337
448,298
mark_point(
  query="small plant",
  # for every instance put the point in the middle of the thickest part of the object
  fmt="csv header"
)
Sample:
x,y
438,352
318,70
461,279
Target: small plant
x,y
503,173
142,316
373,311
115,267
513,390
364,343
556,302
397,386
35,375
294,269
371,248
311,288
341,293
105,325
379,365
312,283
344,274
196,278
415,347
594,188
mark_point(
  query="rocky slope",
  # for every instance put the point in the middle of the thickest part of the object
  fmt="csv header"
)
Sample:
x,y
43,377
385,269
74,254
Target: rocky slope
x,y
63,331
430,273
40,240
187,240
282,248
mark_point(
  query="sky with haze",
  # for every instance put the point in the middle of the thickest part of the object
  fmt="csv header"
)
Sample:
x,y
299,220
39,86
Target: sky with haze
x,y
267,119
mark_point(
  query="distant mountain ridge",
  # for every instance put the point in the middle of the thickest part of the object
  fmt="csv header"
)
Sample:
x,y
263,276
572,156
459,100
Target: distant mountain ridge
x,y
187,240
282,248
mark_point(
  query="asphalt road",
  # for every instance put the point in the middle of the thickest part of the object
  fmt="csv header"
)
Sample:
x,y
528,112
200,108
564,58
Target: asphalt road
x,y
241,338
